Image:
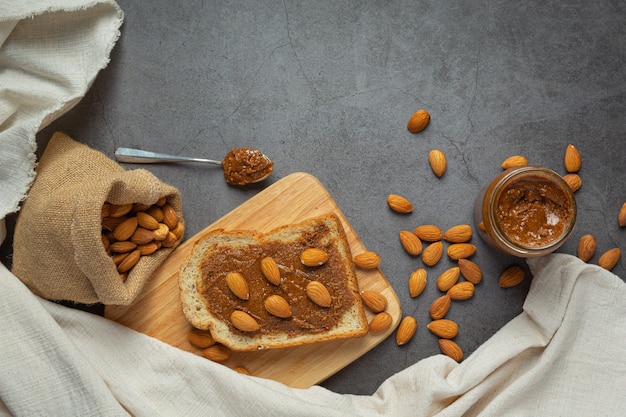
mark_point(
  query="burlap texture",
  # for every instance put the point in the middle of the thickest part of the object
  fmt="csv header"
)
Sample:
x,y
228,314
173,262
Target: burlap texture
x,y
58,251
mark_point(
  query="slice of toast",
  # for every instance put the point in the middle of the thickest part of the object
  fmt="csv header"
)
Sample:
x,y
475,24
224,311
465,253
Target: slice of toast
x,y
208,302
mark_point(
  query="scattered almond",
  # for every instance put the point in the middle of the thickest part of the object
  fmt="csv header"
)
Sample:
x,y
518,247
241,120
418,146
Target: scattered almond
x,y
586,247
278,306
374,301
318,293
514,161
243,321
269,269
451,349
406,330
458,251
458,234
439,308
399,204
432,254
200,338
237,285
417,282
428,233
621,216
217,353
418,121
410,242
609,259
572,159
438,162
380,322
573,181
367,260
511,277
448,278
461,291
470,271
313,257
444,328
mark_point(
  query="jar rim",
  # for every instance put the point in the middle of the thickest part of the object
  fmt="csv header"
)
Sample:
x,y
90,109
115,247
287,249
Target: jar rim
x,y
514,174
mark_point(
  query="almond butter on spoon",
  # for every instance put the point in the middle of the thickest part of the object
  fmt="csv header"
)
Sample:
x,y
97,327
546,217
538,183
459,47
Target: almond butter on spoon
x,y
241,165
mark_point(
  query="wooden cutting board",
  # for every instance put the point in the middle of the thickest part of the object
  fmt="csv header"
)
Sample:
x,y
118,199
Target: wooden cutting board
x,y
157,312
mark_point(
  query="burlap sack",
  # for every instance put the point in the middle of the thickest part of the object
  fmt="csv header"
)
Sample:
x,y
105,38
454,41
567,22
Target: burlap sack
x,y
58,251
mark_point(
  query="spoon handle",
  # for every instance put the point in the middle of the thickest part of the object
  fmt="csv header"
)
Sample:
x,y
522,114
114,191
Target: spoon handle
x,y
137,156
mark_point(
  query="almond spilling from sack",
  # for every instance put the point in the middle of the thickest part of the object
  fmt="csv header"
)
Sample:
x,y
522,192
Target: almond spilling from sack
x,y
428,233
406,330
432,254
451,349
438,162
470,271
374,301
439,308
380,322
399,204
418,121
511,277
514,161
410,242
609,259
586,247
444,328
318,293
572,159
367,260
458,234
417,282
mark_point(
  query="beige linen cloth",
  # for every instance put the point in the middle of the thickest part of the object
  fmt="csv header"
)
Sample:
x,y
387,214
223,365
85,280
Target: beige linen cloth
x,y
565,355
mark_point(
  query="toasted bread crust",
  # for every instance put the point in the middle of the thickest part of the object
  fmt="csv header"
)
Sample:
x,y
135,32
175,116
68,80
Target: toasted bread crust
x,y
202,297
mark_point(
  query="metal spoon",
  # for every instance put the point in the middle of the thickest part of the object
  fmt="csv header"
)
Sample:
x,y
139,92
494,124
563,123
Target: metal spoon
x,y
244,173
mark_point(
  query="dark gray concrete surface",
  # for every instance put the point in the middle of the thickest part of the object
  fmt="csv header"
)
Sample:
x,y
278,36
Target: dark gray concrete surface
x,y
327,87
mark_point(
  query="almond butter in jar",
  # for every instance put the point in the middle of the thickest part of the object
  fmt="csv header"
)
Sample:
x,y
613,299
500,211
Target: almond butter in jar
x,y
526,211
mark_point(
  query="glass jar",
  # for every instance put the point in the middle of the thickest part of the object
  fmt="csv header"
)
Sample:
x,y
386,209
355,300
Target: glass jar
x,y
526,211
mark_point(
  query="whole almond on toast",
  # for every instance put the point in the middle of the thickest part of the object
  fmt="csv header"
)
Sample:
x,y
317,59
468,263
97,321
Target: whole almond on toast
x,y
278,306
313,257
318,293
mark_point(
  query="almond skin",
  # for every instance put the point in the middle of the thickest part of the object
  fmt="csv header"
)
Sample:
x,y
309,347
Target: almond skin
x,y
406,330
318,293
380,322
439,308
511,277
374,301
458,251
461,291
451,349
367,260
417,282
444,328
448,278
200,338
514,161
572,159
277,306
410,242
609,259
586,247
621,216
458,234
432,254
217,353
313,257
573,181
237,285
428,233
399,204
438,162
418,121
470,271
244,321
269,269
